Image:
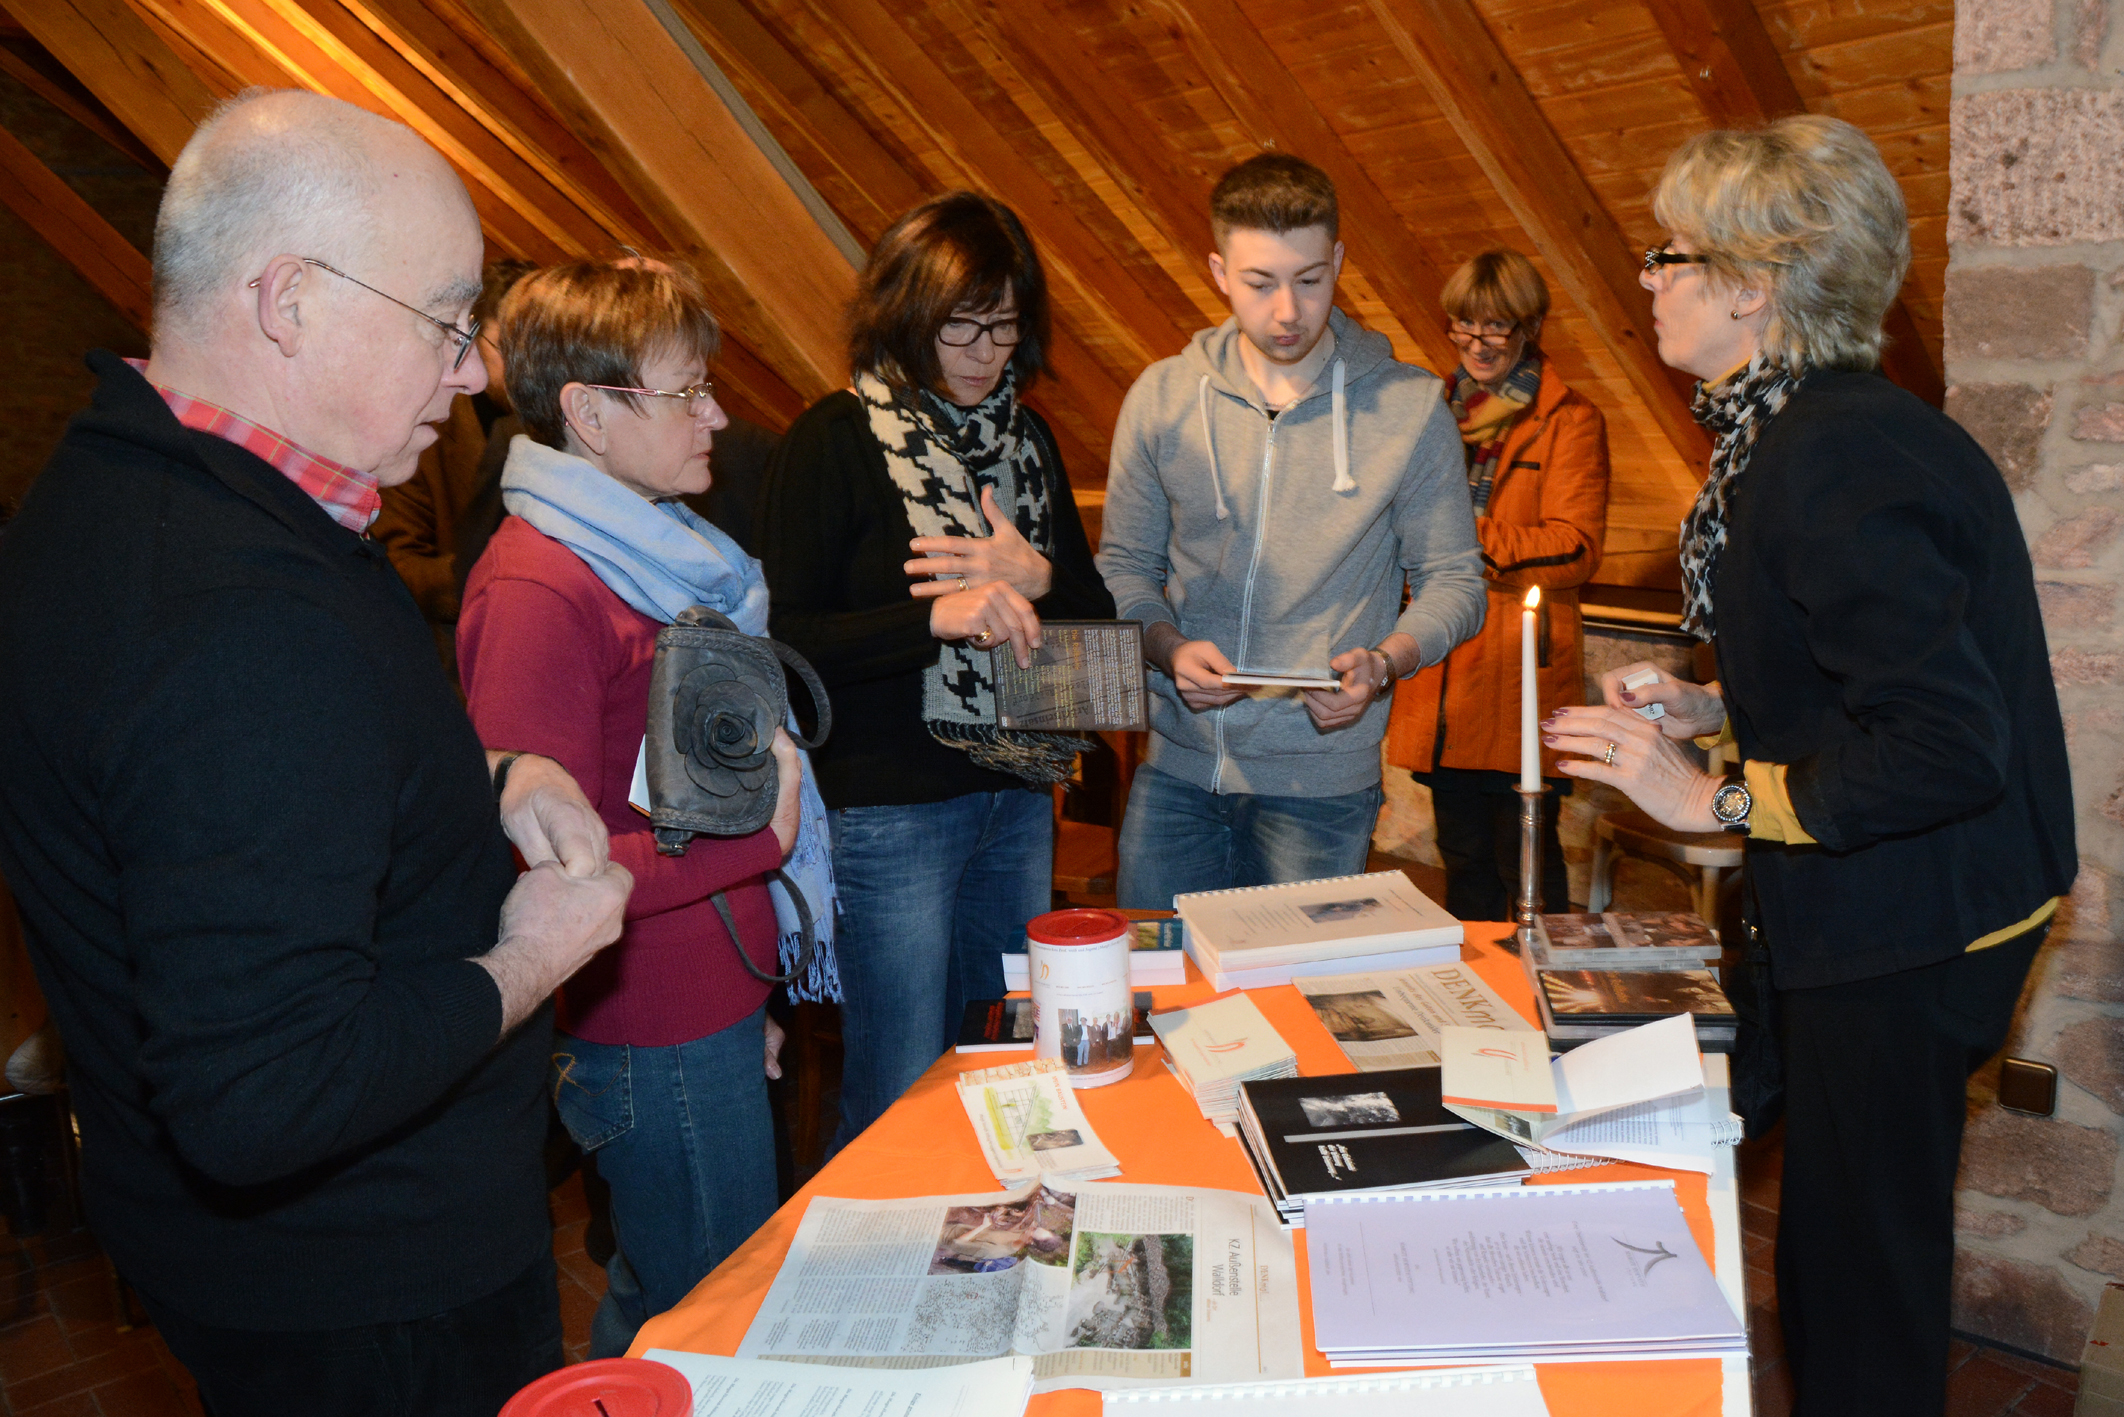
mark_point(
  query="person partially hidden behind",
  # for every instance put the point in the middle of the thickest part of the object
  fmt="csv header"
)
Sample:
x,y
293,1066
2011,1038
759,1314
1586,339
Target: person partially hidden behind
x,y
1272,492
262,861
460,473
1537,456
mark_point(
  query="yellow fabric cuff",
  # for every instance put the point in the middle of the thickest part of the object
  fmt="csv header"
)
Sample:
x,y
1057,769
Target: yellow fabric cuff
x,y
1771,818
2043,912
1723,738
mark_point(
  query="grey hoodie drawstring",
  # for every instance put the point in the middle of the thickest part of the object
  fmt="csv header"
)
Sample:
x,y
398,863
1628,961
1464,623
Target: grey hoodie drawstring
x,y
1343,482
1209,441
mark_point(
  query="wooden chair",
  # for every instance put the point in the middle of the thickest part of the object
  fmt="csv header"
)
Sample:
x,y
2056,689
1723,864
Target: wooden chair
x,y
1706,862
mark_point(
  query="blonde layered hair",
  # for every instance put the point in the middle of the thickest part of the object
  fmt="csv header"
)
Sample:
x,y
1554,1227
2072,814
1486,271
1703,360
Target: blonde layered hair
x,y
1805,210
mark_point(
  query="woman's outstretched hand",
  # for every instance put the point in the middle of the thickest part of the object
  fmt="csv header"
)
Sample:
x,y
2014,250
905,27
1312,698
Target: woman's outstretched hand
x,y
1644,764
993,610
1004,555
1693,710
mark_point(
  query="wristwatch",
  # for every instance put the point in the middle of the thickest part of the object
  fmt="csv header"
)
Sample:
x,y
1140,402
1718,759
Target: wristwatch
x,y
1731,804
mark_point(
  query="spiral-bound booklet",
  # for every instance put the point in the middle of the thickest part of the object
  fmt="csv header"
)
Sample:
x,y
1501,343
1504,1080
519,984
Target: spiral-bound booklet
x,y
1333,925
1526,1274
1510,1391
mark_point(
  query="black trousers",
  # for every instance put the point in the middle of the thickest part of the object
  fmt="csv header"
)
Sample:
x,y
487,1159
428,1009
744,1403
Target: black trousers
x,y
465,1362
1477,810
1875,1076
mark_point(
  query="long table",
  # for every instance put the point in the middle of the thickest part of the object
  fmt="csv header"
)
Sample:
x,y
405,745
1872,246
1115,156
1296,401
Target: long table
x,y
923,1146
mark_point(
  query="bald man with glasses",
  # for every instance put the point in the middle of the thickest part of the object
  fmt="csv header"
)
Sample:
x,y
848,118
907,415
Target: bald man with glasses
x,y
264,864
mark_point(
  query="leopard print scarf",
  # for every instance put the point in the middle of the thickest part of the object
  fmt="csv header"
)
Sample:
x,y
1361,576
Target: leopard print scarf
x,y
1735,410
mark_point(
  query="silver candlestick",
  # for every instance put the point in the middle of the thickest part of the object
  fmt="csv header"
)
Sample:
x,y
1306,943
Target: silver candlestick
x,y
1529,866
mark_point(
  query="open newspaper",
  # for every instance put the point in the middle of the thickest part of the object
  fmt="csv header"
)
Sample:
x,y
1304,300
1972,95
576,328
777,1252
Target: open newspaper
x,y
1393,1020
1103,1285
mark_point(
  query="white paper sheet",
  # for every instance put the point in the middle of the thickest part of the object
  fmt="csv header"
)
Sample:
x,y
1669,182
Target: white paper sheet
x,y
750,1387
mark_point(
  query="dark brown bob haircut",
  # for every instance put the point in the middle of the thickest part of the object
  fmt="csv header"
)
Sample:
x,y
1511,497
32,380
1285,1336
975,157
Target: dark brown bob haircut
x,y
1273,192
958,251
597,322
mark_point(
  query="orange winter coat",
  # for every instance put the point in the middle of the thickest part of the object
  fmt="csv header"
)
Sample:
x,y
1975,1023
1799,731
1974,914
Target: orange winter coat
x,y
1547,516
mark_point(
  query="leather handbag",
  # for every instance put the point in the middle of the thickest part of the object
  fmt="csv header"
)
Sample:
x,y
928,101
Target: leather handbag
x,y
716,696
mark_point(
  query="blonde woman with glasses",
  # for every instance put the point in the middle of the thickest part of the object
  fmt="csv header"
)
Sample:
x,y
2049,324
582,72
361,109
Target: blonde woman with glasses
x,y
1855,559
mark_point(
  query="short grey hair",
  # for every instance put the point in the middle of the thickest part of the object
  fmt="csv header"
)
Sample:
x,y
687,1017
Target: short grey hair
x,y
1806,210
297,178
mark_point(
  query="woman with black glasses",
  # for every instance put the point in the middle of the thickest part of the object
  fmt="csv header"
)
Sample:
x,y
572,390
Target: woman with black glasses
x,y
911,524
1537,456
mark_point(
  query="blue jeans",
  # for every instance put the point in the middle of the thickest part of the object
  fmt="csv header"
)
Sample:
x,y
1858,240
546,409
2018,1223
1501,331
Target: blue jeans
x,y
1178,838
931,895
684,1138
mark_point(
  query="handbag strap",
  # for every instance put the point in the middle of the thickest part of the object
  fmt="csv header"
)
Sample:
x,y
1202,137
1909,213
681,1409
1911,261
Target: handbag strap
x,y
805,929
823,706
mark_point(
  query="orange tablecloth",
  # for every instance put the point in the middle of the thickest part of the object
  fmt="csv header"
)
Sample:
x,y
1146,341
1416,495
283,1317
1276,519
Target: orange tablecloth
x,y
924,1146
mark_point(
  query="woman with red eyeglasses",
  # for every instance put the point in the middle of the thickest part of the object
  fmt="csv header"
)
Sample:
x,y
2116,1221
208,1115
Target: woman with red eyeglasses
x,y
1537,457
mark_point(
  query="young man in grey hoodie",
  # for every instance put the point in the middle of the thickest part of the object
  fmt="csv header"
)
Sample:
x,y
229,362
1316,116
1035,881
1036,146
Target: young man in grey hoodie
x,y
1273,489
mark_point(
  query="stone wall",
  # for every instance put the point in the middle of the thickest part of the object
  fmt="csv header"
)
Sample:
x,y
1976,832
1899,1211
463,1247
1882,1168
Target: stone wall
x,y
2035,293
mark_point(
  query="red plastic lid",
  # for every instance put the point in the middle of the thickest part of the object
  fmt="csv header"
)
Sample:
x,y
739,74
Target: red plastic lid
x,y
1076,927
606,1387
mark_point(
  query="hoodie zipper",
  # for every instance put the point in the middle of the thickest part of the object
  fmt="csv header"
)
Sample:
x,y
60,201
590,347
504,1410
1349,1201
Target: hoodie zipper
x,y
1253,568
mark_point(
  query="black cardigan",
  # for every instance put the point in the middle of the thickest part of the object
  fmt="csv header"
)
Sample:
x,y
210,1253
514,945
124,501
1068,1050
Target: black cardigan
x,y
254,842
1878,632
833,534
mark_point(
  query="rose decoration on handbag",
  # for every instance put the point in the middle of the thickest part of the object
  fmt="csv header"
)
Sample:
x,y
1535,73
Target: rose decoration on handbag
x,y
716,695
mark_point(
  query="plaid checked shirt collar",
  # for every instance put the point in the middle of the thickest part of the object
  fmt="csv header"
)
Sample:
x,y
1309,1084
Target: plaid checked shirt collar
x,y
349,496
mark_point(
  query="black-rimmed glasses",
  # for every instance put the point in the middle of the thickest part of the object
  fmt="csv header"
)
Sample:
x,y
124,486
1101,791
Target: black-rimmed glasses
x,y
1490,335
1660,256
464,338
699,398
961,333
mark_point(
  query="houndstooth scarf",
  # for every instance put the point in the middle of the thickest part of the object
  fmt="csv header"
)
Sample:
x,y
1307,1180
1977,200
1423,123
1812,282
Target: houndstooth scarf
x,y
940,456
1735,409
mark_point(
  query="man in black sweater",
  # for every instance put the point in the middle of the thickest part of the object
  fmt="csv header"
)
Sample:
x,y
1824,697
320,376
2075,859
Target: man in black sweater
x,y
260,855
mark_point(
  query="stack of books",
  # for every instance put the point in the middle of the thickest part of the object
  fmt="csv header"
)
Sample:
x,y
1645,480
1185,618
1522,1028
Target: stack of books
x,y
1580,1005
1212,1048
1359,1133
1534,1274
1625,939
1155,954
1260,935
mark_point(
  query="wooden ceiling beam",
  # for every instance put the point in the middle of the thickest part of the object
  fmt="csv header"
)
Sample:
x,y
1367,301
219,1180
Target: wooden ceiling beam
x,y
1155,314
786,92
32,66
120,59
83,239
1482,96
1733,67
1266,99
628,91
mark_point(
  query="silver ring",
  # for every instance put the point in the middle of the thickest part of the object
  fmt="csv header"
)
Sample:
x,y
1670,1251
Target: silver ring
x,y
1609,756
962,584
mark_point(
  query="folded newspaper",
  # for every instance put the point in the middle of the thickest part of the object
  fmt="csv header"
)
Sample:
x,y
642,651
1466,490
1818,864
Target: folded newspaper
x,y
1392,1020
1104,1285
1025,1116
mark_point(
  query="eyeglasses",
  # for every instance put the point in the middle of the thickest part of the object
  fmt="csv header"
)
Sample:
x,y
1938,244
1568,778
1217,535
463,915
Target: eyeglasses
x,y
1659,256
961,333
464,338
1490,336
699,399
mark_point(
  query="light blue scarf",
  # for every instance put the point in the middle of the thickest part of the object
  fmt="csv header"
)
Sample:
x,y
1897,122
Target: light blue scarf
x,y
661,558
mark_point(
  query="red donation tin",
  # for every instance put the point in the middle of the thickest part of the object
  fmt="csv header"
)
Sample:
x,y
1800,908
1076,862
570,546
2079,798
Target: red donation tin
x,y
1078,962
606,1387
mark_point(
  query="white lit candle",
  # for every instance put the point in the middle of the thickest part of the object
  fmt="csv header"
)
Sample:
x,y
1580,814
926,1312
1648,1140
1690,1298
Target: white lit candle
x,y
1529,742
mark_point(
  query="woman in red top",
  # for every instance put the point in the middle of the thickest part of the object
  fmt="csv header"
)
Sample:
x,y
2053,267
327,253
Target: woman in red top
x,y
658,1061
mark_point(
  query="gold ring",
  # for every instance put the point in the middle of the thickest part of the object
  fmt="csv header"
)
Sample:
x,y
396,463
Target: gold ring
x,y
962,584
984,637
1609,756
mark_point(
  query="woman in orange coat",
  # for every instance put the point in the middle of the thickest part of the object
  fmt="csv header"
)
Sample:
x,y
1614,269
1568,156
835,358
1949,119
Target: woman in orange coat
x,y
1538,473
